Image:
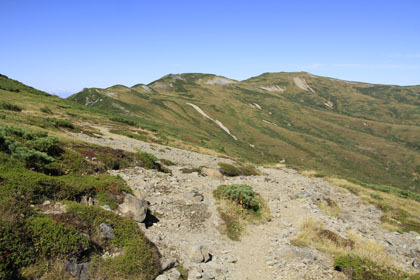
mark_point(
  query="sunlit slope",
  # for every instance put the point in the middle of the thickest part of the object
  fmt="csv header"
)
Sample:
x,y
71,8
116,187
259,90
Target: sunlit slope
x,y
365,131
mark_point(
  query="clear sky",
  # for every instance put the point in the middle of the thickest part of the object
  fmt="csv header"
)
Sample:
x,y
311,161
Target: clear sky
x,y
64,46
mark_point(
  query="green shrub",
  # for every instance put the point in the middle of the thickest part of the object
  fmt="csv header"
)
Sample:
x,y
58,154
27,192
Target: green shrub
x,y
34,159
46,110
29,185
123,120
91,185
242,194
36,187
231,170
52,239
228,169
107,158
10,107
237,206
139,135
358,268
149,160
60,123
249,170
107,198
140,260
25,235
21,133
48,145
14,250
34,148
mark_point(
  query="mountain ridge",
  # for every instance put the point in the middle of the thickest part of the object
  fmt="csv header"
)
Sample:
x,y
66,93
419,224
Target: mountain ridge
x,y
301,114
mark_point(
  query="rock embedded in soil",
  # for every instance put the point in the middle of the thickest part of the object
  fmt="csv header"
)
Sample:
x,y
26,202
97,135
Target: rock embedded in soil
x,y
134,208
106,231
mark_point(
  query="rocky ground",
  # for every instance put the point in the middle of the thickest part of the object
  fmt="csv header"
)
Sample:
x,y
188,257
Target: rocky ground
x,y
186,225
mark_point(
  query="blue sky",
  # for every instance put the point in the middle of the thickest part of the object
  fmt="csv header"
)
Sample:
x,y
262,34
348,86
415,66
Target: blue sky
x,y
64,46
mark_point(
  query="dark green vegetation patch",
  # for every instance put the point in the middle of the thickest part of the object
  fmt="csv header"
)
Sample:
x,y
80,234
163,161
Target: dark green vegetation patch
x,y
242,194
232,170
35,167
357,268
10,107
239,205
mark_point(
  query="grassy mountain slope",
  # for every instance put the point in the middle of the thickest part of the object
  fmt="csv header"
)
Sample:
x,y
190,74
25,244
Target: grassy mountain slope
x,y
47,173
44,173
364,131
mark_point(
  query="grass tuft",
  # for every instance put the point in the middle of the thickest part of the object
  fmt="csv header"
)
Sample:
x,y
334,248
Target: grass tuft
x,y
239,205
329,207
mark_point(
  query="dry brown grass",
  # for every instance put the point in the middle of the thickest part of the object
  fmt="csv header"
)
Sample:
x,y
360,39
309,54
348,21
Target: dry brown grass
x,y
47,270
371,250
329,207
390,204
390,227
236,217
370,196
312,233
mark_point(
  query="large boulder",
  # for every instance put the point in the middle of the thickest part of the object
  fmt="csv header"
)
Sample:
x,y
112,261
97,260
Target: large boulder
x,y
134,208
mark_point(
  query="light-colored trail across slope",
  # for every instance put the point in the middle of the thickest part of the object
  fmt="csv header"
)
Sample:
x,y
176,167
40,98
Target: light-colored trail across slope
x,y
219,123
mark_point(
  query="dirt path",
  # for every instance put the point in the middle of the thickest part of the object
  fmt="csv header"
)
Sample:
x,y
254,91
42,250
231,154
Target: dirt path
x,y
252,254
265,251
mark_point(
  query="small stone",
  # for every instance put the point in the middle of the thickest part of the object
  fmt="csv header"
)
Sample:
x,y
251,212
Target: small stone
x,y
79,271
198,198
84,200
46,202
416,263
167,264
208,275
106,207
106,231
194,273
173,274
162,277
232,259
84,271
206,254
73,268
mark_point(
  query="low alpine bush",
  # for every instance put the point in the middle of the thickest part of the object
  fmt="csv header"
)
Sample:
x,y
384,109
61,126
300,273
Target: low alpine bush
x,y
242,194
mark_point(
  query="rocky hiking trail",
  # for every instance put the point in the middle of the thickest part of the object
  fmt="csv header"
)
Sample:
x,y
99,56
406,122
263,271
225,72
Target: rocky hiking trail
x,y
185,225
